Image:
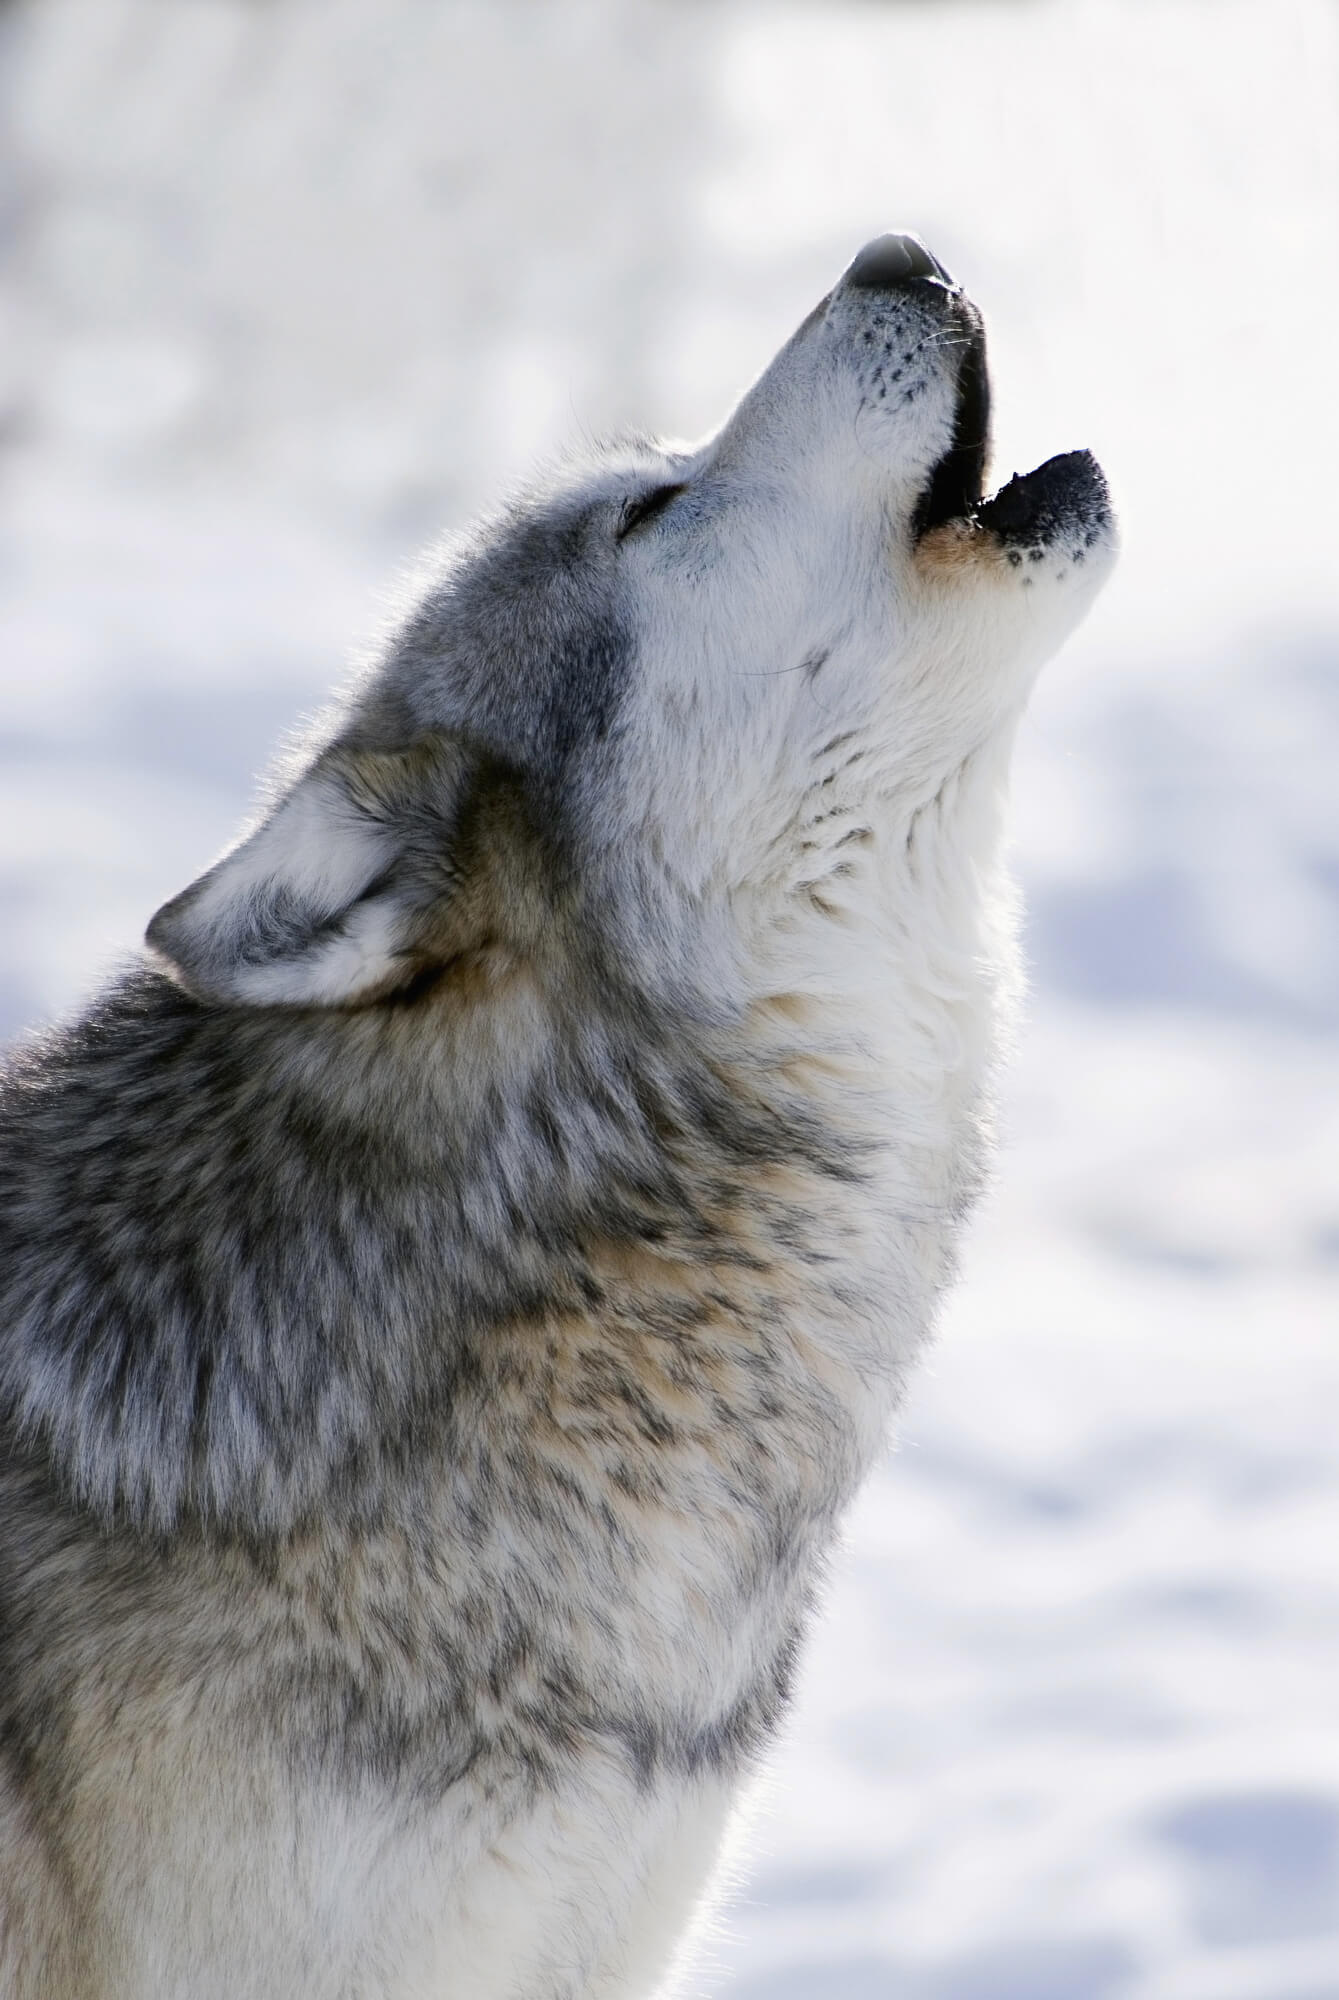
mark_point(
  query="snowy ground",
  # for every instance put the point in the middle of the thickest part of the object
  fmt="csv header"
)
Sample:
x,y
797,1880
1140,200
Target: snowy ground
x,y
286,287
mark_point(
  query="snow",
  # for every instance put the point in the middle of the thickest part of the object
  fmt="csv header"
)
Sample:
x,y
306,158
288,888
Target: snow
x,y
285,289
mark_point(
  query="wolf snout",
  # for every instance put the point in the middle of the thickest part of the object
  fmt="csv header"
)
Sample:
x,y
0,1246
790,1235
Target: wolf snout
x,y
893,260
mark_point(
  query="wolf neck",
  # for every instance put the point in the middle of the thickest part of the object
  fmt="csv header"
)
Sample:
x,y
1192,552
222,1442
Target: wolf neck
x,y
345,1204
890,943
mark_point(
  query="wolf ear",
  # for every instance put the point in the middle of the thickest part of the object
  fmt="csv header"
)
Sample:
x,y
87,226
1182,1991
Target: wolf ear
x,y
323,905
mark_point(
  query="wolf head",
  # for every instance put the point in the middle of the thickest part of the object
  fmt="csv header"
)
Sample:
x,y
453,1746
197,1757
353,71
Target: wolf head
x,y
688,697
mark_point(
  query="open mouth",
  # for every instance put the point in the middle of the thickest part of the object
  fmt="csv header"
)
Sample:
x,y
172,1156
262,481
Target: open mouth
x,y
1066,498
955,486
1066,493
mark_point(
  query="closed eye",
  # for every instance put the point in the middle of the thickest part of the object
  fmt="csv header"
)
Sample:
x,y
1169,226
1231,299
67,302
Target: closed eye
x,y
644,507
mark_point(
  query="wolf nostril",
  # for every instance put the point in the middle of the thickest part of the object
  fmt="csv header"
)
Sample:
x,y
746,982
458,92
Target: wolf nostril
x,y
893,260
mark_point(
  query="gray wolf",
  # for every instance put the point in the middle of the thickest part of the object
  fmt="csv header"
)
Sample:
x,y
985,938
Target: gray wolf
x,y
451,1287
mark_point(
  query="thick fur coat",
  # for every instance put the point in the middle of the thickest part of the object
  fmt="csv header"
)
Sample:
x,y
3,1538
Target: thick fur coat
x,y
450,1290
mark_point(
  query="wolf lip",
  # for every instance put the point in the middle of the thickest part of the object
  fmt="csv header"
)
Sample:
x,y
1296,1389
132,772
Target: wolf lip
x,y
955,486
1066,494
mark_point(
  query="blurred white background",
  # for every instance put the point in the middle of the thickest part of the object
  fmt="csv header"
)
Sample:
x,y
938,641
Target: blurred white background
x,y
288,285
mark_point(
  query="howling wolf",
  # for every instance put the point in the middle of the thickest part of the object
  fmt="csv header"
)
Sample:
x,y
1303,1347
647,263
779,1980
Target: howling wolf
x,y
451,1287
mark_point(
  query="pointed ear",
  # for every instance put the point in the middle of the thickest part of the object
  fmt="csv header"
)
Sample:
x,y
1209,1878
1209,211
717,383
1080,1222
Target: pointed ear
x,y
322,905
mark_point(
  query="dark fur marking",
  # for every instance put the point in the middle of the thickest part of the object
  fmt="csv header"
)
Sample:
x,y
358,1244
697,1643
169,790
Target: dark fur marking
x,y
645,507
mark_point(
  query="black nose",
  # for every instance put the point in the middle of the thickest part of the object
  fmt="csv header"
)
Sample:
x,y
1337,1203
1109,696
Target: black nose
x,y
892,260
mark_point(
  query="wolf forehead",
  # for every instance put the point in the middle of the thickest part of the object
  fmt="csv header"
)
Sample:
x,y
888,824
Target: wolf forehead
x,y
526,633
